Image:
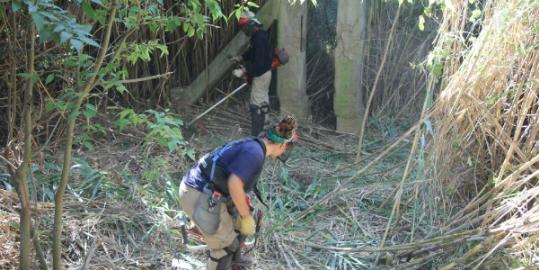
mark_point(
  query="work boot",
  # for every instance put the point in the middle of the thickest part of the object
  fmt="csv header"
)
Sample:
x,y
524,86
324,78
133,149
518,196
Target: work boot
x,y
242,261
257,120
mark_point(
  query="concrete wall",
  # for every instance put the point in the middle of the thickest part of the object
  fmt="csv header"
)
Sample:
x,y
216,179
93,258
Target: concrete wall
x,y
291,78
349,54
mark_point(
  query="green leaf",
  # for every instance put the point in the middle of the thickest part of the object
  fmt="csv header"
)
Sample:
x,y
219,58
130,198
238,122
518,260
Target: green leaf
x,y
476,13
39,21
90,110
89,41
64,36
32,77
237,13
51,16
125,113
15,6
45,35
191,32
59,28
190,153
200,33
101,16
49,78
120,88
76,44
421,23
153,27
255,5
31,7
172,24
122,123
89,10
50,105
73,115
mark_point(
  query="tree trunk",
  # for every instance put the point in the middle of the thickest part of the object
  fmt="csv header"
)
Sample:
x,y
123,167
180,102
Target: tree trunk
x,y
71,120
349,54
291,35
22,172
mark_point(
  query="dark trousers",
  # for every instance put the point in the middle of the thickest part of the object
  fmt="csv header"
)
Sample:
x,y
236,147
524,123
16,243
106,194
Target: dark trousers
x,y
258,116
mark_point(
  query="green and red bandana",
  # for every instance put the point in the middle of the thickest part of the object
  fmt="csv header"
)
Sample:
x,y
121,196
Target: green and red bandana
x,y
272,136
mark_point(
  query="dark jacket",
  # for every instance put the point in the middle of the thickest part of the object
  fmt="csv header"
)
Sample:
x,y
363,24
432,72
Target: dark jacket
x,y
259,55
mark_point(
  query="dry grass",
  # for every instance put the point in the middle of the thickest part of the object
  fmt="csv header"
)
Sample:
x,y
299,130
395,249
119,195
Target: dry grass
x,y
470,200
486,150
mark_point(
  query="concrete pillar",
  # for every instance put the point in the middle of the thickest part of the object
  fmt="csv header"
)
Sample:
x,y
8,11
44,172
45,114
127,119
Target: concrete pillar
x,y
291,78
349,54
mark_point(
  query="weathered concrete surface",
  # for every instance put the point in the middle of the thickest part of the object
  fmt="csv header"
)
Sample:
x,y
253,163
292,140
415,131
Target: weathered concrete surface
x,y
221,65
291,78
349,54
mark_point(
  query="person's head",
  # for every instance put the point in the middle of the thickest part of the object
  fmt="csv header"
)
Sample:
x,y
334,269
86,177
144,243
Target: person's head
x,y
280,137
248,23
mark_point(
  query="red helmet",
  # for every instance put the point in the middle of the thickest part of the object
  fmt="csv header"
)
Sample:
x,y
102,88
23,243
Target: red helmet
x,y
248,21
243,21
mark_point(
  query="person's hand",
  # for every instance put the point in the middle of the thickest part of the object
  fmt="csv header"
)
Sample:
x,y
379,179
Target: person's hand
x,y
238,73
247,225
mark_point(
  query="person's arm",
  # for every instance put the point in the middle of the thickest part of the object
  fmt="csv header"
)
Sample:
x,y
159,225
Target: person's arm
x,y
246,222
235,188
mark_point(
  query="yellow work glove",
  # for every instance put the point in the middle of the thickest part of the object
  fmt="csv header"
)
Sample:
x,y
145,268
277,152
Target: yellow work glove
x,y
247,225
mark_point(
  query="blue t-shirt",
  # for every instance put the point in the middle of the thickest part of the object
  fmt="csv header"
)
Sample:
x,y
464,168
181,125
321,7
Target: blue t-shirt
x,y
244,158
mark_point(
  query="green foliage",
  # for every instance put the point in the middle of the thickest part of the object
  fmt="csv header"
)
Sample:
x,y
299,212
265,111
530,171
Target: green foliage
x,y
128,117
54,23
421,23
435,61
195,22
58,25
242,7
45,178
5,183
142,51
90,132
159,182
64,103
94,182
163,128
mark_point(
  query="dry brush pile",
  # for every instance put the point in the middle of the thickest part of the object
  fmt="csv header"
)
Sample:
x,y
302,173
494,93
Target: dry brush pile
x,y
475,204
486,150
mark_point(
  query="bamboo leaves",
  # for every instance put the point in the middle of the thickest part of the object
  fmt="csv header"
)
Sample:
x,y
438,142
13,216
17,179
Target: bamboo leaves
x,y
54,23
142,51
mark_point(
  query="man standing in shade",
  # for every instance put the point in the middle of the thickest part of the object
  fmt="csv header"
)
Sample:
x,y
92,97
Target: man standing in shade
x,y
257,69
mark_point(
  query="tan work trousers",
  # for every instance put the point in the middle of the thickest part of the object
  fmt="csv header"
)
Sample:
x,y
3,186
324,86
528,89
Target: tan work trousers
x,y
260,89
225,234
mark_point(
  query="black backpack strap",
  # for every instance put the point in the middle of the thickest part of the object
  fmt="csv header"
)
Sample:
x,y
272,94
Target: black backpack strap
x,y
262,144
211,163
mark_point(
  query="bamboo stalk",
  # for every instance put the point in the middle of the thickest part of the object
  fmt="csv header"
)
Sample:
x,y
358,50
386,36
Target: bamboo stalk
x,y
375,84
